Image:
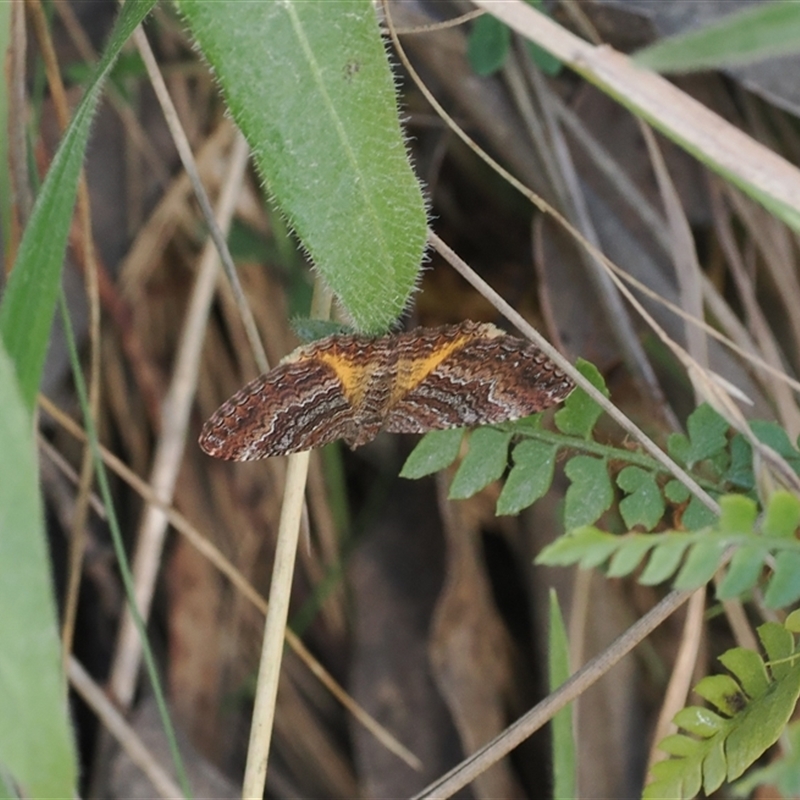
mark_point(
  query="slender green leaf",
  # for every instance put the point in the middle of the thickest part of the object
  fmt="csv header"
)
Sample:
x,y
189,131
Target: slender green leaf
x,y
772,434
529,478
586,545
751,34
714,766
666,781
434,451
485,462
701,563
564,753
664,560
676,492
590,494
743,572
678,744
740,469
783,772
701,722
792,621
309,84
36,744
678,447
119,549
29,301
633,548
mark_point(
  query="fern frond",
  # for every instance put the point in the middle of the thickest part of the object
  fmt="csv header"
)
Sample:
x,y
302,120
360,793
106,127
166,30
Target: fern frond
x,y
696,556
754,703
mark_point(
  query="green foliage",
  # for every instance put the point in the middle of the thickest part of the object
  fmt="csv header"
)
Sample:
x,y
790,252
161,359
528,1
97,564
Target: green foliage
x,y
743,546
490,42
752,34
590,493
484,463
718,461
565,757
697,556
580,413
783,773
533,458
309,85
436,450
644,503
29,300
488,45
690,556
530,476
706,440
37,747
754,703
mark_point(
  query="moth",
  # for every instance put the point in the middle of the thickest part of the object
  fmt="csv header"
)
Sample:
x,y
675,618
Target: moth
x,y
352,387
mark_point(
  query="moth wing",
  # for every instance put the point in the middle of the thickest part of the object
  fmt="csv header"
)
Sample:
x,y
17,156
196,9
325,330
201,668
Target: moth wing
x,y
488,380
298,405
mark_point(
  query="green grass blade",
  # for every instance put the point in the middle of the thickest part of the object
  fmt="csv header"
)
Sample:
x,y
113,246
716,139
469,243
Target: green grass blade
x,y
26,313
752,34
564,752
119,550
309,84
36,744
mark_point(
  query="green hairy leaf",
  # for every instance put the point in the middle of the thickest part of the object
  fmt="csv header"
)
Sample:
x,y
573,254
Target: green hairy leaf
x,y
309,85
